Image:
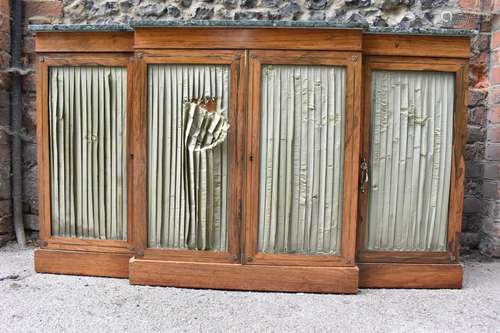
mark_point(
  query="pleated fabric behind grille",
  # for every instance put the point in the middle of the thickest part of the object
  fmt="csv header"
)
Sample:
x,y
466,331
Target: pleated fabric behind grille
x,y
88,141
187,204
302,153
411,146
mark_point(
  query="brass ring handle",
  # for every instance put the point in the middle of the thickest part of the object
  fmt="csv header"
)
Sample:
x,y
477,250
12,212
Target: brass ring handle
x,y
364,174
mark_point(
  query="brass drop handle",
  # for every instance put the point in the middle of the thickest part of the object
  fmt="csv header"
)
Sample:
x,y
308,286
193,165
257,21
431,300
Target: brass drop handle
x,y
364,174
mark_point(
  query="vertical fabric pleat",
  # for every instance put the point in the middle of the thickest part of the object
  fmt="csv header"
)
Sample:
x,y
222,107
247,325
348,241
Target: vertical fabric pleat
x,y
410,161
87,138
187,185
302,154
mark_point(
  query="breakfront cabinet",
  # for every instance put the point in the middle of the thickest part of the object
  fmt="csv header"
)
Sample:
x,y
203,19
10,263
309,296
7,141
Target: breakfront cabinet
x,y
279,159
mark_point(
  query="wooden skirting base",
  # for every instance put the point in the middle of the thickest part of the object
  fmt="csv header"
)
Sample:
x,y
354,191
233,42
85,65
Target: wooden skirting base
x,y
249,277
244,277
82,263
392,275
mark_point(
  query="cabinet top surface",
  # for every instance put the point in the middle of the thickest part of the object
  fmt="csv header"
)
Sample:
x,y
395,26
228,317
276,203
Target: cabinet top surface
x,y
132,26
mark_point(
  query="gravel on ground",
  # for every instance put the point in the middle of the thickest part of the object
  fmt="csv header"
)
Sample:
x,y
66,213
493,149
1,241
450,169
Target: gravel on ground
x,y
31,302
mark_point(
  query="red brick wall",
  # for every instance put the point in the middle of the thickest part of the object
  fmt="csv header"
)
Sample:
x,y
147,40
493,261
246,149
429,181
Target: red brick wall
x,y
6,228
35,12
490,243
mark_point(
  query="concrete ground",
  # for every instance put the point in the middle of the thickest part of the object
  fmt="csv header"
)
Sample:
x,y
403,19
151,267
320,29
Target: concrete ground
x,y
31,302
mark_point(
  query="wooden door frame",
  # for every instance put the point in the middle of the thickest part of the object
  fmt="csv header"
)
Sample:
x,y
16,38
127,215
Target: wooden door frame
x,y
54,255
459,68
352,62
235,59
60,59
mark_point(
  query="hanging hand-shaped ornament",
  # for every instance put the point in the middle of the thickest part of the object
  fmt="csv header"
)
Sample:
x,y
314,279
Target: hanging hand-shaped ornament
x,y
205,124
205,127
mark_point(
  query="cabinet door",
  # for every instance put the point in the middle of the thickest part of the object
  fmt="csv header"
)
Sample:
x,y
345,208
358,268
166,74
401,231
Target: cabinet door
x,y
189,141
413,122
302,156
85,153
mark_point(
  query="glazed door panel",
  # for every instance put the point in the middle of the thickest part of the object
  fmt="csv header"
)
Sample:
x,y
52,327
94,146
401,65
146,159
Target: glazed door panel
x,y
302,137
301,158
87,113
410,161
188,156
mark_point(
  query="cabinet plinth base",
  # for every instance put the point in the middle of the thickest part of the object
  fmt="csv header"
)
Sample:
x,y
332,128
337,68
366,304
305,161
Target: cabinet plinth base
x,y
244,277
106,264
249,277
397,275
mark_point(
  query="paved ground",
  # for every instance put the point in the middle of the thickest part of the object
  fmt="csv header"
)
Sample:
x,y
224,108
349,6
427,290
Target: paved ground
x,y
31,302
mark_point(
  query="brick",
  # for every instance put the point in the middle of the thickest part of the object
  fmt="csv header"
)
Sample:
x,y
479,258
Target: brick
x,y
494,95
490,189
467,21
5,24
472,187
470,5
5,217
477,115
492,151
480,43
472,205
495,40
493,133
495,57
492,227
478,71
4,59
48,8
495,75
4,41
476,133
6,224
477,97
29,83
29,45
473,169
469,241
486,5
491,170
490,246
4,80
471,222
4,6
494,114
495,22
486,24
30,184
474,151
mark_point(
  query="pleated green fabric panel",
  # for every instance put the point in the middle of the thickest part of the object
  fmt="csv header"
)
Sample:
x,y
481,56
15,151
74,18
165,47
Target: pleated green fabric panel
x,y
187,185
302,153
410,162
88,147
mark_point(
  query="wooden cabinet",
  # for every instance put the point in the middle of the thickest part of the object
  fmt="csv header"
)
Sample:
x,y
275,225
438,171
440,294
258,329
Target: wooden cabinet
x,y
252,159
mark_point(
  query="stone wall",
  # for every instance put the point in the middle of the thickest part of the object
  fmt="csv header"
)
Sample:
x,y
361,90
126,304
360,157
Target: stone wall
x,y
481,205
